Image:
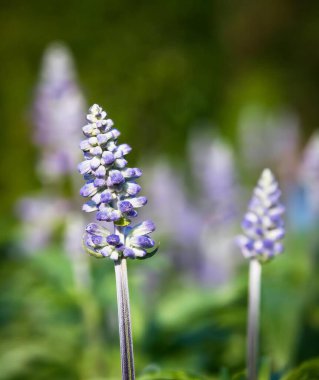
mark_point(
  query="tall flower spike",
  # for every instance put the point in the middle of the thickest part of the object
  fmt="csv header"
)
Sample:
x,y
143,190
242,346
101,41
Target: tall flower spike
x,y
113,192
264,228
263,225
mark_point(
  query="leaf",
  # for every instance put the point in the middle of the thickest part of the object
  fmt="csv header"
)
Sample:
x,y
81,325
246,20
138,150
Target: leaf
x,y
123,222
306,371
265,370
224,374
149,254
170,375
91,252
239,376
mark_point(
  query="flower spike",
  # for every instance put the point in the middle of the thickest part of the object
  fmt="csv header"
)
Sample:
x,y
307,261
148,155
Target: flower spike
x,y
113,192
263,230
263,225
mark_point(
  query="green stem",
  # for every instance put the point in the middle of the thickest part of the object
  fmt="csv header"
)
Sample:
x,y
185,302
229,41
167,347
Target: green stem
x,y
125,331
253,318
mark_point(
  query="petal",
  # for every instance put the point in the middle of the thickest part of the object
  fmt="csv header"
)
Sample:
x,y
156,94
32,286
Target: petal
x,y
108,158
132,253
115,178
111,146
138,202
106,125
278,248
98,240
96,229
106,196
99,182
103,138
106,251
114,255
128,252
113,239
125,206
97,198
84,167
132,188
88,190
96,151
132,173
85,145
108,215
90,206
144,242
120,163
93,141
95,163
89,130
143,228
100,171
122,150
276,234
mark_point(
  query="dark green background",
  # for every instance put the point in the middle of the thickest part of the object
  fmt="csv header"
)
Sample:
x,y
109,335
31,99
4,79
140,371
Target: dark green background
x,y
158,67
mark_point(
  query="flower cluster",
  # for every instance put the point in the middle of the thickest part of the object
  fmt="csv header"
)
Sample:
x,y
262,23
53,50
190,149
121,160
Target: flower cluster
x,y
263,225
113,192
57,111
309,172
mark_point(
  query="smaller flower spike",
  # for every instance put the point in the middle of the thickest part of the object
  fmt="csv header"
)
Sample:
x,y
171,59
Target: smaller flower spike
x,y
263,225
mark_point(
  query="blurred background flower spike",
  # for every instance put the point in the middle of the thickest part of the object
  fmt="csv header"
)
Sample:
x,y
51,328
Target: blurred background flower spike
x,y
263,228
263,225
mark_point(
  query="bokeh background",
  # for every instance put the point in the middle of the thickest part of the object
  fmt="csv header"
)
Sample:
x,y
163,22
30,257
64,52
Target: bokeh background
x,y
207,93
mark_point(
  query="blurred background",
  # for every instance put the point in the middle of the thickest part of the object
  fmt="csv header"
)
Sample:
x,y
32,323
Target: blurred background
x,y
208,93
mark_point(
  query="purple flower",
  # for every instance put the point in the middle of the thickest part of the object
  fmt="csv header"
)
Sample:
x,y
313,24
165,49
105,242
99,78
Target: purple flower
x,y
57,111
113,239
263,225
40,216
214,170
309,173
112,190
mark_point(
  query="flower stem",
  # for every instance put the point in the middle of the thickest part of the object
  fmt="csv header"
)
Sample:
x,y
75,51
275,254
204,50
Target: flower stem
x,y
253,318
123,304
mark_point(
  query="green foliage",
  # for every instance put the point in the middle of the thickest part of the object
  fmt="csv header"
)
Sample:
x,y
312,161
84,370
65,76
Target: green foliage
x,y
170,375
306,371
265,370
158,68
239,376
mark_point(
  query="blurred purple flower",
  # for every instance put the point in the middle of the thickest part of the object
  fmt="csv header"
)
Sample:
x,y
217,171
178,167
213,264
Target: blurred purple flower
x,y
40,216
74,226
309,173
213,167
181,222
171,207
263,225
57,113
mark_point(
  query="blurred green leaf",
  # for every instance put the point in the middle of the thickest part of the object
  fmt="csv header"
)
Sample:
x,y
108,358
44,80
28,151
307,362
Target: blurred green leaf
x,y
239,376
170,375
265,370
306,371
